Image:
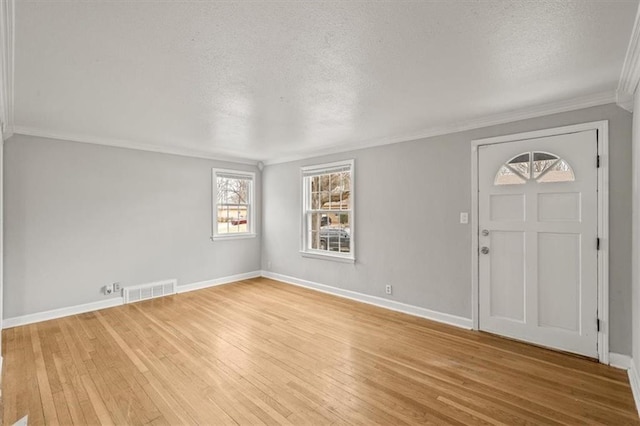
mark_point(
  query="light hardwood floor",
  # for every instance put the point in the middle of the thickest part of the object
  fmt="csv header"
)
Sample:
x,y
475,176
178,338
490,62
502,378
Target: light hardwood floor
x,y
259,351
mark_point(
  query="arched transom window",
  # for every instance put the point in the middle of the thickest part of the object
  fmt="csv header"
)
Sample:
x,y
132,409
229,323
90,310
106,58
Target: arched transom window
x,y
543,167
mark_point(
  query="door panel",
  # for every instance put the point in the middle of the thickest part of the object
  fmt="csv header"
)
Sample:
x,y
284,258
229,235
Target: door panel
x,y
537,203
559,207
507,207
507,275
558,280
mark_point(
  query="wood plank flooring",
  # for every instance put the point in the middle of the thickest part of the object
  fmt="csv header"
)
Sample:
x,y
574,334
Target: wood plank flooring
x,y
263,352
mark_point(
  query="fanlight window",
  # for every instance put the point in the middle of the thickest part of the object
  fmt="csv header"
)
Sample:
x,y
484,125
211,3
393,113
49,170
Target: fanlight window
x,y
542,167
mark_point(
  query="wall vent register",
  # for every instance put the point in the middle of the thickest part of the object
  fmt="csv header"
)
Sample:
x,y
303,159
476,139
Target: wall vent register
x,y
149,291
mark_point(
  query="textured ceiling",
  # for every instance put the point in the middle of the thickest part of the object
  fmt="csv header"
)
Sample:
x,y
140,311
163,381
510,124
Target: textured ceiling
x,y
269,80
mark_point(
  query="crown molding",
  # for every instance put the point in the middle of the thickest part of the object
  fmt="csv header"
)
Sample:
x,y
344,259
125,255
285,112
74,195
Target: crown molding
x,y
630,75
222,155
625,100
7,56
581,102
218,155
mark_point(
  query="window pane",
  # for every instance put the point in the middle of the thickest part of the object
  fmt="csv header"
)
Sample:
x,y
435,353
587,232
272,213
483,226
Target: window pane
x,y
232,219
541,162
221,190
330,191
334,193
333,181
544,156
520,164
325,191
345,187
506,176
238,219
233,190
560,172
344,220
336,234
325,194
315,240
315,200
223,219
314,193
238,191
314,225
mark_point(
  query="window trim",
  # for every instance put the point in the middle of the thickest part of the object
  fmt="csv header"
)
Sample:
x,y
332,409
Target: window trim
x,y
251,232
349,257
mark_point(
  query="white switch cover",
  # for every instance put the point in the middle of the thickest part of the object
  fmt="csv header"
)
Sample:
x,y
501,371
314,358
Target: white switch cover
x,y
464,217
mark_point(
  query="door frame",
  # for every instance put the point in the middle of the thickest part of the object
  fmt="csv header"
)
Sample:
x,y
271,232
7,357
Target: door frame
x,y
602,128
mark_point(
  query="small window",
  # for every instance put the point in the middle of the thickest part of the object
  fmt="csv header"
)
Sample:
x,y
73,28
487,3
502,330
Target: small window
x,y
233,204
543,167
328,220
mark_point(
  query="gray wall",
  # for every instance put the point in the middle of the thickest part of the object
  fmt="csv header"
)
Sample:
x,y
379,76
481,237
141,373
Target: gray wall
x,y
408,200
79,216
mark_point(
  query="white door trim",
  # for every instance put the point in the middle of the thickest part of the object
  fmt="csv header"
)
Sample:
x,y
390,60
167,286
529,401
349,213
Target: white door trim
x,y
602,128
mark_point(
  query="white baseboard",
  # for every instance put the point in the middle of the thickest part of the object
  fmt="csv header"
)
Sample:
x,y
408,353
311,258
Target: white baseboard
x,y
115,301
619,361
454,320
634,381
62,312
218,281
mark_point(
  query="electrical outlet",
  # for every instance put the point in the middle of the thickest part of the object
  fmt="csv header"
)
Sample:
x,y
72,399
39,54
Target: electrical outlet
x,y
108,289
387,288
268,265
116,287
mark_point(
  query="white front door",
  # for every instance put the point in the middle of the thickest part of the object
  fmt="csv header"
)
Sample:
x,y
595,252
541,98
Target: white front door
x,y
537,220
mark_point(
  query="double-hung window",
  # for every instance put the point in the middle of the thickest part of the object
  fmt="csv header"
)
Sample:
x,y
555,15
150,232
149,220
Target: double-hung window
x,y
233,204
328,218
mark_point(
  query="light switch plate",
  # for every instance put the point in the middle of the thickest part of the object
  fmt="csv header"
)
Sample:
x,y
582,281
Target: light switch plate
x,y
464,217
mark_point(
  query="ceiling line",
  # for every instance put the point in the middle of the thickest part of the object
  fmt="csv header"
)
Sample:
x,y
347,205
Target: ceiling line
x,y
582,102
121,143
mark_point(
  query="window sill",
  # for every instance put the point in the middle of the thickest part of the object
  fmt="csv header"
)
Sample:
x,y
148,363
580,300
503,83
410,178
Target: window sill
x,y
332,257
232,237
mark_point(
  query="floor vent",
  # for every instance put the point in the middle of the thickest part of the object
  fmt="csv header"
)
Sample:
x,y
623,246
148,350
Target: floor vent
x,y
140,292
